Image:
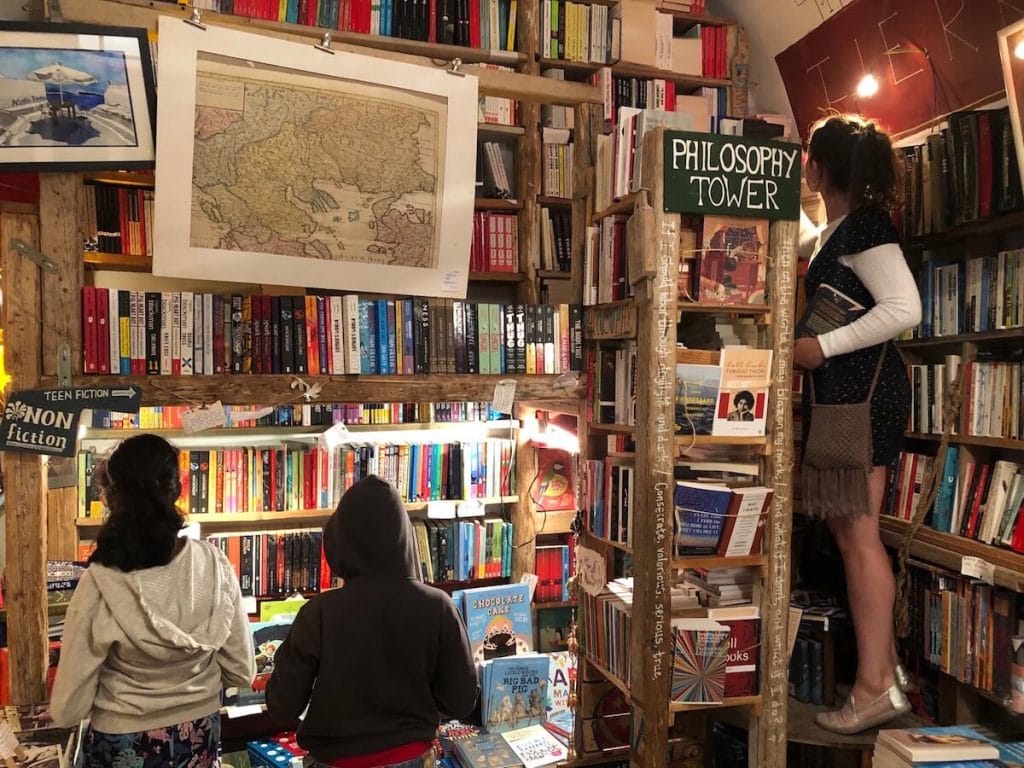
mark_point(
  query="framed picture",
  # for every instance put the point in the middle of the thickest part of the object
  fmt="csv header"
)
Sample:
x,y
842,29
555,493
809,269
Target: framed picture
x,y
75,97
282,164
1011,53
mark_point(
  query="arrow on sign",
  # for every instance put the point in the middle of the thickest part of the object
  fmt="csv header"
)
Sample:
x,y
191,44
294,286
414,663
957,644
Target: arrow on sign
x,y
130,392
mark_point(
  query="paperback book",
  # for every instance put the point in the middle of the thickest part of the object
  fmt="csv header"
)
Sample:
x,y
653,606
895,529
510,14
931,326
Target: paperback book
x,y
743,392
699,661
696,396
700,515
732,261
535,746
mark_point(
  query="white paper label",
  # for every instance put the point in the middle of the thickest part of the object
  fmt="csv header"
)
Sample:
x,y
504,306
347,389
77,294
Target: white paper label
x,y
471,508
8,741
450,281
977,568
190,531
504,396
531,580
205,417
441,510
335,436
250,606
236,712
591,568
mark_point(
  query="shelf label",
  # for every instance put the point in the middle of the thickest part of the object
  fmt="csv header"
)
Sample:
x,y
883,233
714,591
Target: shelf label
x,y
335,436
470,508
504,396
234,713
592,571
204,417
441,510
977,568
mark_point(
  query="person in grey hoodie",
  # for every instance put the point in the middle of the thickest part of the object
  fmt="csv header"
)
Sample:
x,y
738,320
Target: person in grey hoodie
x,y
156,628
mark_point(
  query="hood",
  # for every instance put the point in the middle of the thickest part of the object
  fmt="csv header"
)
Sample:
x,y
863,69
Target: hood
x,y
173,611
370,533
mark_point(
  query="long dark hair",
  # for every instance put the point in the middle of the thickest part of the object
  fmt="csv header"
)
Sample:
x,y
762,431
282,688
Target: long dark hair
x,y
858,159
140,483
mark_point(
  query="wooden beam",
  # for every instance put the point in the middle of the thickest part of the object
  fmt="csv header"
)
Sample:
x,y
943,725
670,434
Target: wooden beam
x,y
768,732
24,474
523,522
651,634
144,13
60,196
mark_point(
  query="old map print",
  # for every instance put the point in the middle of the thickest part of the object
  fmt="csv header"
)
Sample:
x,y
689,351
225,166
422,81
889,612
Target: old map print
x,y
316,168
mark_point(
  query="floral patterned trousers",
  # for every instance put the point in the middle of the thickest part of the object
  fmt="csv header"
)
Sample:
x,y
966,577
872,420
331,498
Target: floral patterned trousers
x,y
195,744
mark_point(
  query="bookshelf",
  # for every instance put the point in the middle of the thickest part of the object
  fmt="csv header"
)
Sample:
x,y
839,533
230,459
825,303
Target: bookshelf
x,y
651,316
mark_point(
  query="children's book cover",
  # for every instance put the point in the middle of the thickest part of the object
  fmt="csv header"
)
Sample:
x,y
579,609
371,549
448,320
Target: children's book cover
x,y
498,621
554,487
696,395
514,692
743,392
266,639
561,682
535,746
485,750
733,260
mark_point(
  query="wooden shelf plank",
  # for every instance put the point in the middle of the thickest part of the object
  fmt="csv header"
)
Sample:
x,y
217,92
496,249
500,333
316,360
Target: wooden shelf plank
x,y
273,388
738,701
296,517
600,541
493,129
555,202
619,429
496,277
123,178
714,562
705,20
1005,334
553,523
553,274
1002,443
117,261
685,442
554,604
100,433
612,678
995,225
625,205
948,551
629,69
496,204
732,309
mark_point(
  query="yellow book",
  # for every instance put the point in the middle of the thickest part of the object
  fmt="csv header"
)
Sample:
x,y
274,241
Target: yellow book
x,y
512,11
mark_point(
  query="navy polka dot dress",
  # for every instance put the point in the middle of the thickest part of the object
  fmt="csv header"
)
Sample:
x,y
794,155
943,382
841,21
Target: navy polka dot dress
x,y
847,378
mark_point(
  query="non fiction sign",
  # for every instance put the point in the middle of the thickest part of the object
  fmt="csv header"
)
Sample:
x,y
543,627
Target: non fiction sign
x,y
731,175
45,421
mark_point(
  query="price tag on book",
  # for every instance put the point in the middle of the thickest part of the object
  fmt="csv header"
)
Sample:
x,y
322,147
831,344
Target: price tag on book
x,y
9,746
590,566
977,568
335,436
504,396
204,417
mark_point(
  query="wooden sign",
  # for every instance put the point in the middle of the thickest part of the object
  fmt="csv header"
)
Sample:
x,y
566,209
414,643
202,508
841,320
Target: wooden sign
x,y
731,175
927,58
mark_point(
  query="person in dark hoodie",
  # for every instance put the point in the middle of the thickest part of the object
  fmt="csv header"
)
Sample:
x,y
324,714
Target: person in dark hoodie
x,y
378,661
156,628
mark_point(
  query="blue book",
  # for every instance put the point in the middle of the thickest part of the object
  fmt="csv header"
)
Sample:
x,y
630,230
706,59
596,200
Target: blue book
x,y
292,15
381,332
408,339
498,621
696,396
514,692
367,337
942,516
700,514
392,339
485,750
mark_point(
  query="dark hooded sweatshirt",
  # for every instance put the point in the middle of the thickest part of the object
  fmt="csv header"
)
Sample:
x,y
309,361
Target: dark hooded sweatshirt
x,y
380,659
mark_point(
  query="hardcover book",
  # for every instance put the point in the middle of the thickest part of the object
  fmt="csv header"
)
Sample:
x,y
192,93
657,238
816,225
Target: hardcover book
x,y
699,660
827,309
514,692
696,396
732,261
498,621
485,750
700,515
535,747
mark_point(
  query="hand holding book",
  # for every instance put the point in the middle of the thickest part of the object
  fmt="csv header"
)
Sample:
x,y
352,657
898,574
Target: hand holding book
x,y
827,310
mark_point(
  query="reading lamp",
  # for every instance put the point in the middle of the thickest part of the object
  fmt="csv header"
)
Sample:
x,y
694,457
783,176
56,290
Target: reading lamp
x,y
544,434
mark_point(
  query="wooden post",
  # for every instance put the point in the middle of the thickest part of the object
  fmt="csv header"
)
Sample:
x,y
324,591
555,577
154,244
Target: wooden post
x,y
524,527
584,146
655,274
768,732
24,474
530,150
60,200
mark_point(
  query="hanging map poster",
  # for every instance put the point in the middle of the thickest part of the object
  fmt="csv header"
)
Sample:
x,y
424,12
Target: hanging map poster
x,y
303,168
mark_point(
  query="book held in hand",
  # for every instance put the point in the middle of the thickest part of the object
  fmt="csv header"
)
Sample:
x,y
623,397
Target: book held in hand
x,y
827,309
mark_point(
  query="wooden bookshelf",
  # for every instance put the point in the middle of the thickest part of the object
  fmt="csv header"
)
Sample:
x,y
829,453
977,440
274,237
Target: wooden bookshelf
x,y
247,389
995,225
723,309
496,204
687,19
553,274
493,129
628,69
1002,443
123,178
496,277
117,261
714,562
981,337
102,433
687,441
625,205
555,202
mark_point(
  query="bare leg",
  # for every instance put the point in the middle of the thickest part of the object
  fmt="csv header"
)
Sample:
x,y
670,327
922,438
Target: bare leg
x,y
872,592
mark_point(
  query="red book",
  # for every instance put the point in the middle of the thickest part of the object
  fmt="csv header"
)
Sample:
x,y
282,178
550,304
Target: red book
x,y
474,23
741,670
980,496
312,345
89,329
103,330
432,23
325,570
279,565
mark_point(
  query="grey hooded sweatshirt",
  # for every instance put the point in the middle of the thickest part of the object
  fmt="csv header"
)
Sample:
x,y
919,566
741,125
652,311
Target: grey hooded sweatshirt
x,y
152,648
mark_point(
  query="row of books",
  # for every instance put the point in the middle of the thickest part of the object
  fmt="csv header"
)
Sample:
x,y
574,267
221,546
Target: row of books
x,y
612,384
985,293
489,24
806,679
140,333
578,32
557,149
727,397
605,262
463,550
713,519
496,170
497,110
963,627
298,476
965,171
555,240
992,398
118,219
618,91
302,415
976,500
607,501
495,245
554,566
929,384
276,564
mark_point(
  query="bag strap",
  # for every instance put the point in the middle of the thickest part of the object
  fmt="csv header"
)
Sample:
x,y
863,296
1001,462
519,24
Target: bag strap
x,y
874,381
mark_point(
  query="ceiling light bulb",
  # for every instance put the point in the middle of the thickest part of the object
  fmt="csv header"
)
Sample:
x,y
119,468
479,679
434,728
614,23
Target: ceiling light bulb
x,y
1019,50
867,87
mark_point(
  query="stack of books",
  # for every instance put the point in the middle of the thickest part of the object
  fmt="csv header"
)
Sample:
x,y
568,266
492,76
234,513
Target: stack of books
x,y
955,746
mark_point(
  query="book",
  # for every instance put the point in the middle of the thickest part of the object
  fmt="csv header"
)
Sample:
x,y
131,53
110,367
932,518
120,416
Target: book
x,y
938,744
699,660
266,639
485,750
499,621
514,691
554,487
696,398
535,746
827,309
700,514
733,260
742,408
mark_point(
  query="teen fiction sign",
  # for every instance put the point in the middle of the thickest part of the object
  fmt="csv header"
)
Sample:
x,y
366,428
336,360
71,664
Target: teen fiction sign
x,y
45,421
731,175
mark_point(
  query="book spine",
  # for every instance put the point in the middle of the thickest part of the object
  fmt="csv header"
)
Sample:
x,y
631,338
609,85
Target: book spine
x,y
186,342
166,328
152,333
350,305
300,341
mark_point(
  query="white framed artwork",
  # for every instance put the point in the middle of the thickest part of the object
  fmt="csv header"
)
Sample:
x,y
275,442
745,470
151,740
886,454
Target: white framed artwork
x,y
278,163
